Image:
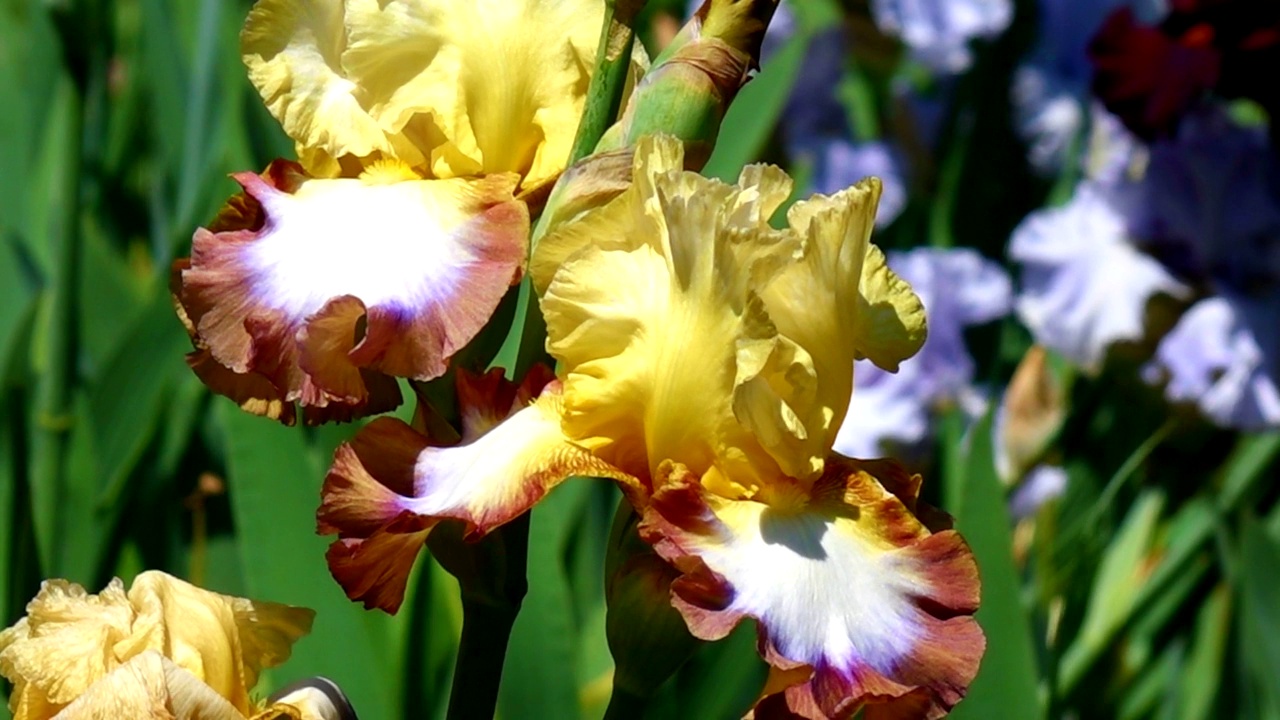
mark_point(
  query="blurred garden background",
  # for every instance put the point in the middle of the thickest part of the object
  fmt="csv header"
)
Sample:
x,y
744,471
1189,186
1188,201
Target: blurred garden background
x,y
1084,193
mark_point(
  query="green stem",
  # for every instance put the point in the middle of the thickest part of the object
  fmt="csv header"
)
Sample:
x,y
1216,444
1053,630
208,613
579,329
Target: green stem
x,y
523,345
486,630
492,576
604,95
625,705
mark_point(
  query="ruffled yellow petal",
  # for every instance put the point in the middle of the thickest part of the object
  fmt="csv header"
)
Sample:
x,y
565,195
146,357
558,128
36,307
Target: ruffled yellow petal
x,y
65,644
94,653
293,50
225,641
651,310
452,87
150,687
891,323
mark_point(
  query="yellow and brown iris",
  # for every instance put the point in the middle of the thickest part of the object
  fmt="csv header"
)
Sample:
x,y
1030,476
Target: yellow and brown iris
x,y
387,246
705,364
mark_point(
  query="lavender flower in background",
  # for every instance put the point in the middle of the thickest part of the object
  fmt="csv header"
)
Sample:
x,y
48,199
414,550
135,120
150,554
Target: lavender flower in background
x,y
1223,357
1210,209
815,124
959,288
1042,484
938,32
1084,285
1211,204
1050,90
838,163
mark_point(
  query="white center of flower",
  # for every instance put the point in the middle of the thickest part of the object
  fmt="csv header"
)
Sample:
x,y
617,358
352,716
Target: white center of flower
x,y
384,244
826,594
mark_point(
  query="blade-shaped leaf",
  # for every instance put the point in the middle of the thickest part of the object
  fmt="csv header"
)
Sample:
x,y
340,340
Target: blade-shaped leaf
x,y
1006,685
275,488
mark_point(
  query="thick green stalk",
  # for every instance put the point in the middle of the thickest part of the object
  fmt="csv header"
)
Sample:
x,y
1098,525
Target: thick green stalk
x,y
492,576
477,674
604,95
625,705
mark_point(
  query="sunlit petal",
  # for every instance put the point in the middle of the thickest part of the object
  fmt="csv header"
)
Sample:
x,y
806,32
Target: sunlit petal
x,y
326,289
858,602
164,644
388,487
451,88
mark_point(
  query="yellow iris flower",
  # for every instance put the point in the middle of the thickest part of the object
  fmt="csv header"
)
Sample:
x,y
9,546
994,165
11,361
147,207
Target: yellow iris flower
x,y
164,650
385,249
706,363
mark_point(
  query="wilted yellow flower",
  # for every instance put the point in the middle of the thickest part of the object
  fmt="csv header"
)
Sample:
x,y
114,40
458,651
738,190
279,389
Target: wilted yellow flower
x,y
165,649
417,124
706,363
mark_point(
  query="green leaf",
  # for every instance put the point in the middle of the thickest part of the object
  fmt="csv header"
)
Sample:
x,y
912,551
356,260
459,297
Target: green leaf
x,y
435,629
128,398
1260,613
1202,674
1006,685
55,238
721,680
83,530
274,488
1116,589
110,300
1251,458
9,478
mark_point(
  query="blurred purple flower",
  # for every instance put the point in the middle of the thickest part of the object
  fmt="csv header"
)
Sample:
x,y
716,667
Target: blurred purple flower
x,y
1050,90
1042,484
1211,204
815,125
958,288
838,163
1084,286
938,31
1224,356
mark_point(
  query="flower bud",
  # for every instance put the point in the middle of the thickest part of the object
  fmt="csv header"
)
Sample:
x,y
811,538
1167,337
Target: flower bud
x,y
647,636
690,85
1032,411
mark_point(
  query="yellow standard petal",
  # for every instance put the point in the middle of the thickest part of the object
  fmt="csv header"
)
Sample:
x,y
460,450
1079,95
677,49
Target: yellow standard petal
x,y
839,301
653,315
452,87
690,329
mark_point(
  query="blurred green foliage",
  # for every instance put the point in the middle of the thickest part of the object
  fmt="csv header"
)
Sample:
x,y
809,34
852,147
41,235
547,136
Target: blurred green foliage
x,y
1151,590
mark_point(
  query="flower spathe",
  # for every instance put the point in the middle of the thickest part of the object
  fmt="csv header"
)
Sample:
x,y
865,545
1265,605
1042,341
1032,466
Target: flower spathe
x,y
163,649
387,247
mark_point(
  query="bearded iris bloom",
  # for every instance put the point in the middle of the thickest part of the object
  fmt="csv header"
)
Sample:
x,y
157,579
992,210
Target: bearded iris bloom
x,y
386,248
163,649
705,365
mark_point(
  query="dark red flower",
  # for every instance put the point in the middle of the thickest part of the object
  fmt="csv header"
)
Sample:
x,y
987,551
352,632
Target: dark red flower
x,y
1151,75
